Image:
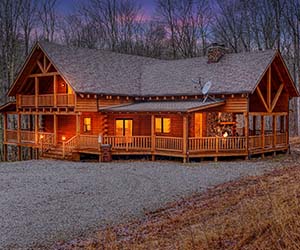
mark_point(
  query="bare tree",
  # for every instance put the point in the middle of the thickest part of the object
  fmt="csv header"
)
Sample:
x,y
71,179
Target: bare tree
x,y
28,20
47,16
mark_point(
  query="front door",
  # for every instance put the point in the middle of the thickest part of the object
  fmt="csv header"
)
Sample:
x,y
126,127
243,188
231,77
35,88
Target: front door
x,y
198,125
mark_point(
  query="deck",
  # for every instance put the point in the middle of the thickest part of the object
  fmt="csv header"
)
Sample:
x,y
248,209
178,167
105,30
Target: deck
x,y
156,145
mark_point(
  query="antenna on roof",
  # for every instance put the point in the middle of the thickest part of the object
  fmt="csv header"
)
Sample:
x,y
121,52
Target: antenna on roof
x,y
206,89
198,84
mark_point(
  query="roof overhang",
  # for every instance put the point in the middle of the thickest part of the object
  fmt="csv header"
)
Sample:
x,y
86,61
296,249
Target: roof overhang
x,y
8,107
164,106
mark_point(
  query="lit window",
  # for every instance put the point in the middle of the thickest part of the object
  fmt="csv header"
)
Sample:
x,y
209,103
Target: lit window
x,y
162,125
87,124
123,127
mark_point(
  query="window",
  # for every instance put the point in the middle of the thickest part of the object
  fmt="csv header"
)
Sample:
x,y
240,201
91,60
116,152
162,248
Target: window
x,y
123,127
162,125
87,124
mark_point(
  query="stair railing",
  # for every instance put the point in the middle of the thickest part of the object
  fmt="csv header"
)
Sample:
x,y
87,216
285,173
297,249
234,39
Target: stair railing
x,y
46,142
69,145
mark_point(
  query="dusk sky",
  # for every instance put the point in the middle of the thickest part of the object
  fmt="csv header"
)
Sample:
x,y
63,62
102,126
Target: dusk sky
x,y
148,6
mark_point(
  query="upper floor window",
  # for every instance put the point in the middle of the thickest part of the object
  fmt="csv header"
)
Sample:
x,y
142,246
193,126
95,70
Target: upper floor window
x,y
87,124
162,125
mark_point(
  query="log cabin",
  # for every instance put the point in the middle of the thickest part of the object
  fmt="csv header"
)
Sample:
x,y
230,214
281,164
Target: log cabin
x,y
76,100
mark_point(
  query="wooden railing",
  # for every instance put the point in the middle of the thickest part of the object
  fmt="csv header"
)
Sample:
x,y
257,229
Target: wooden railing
x,y
269,141
46,100
46,138
71,144
46,142
88,141
27,137
231,144
11,136
65,100
202,144
169,143
281,139
215,144
128,143
26,100
255,142
160,143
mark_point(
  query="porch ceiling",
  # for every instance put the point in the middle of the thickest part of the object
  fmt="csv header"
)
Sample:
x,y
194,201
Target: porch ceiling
x,y
165,106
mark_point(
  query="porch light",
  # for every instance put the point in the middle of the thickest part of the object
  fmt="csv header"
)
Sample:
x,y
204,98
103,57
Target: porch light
x,y
41,137
63,138
225,135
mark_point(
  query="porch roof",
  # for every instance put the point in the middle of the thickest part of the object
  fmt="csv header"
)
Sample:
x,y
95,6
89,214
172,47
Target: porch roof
x,y
165,106
9,106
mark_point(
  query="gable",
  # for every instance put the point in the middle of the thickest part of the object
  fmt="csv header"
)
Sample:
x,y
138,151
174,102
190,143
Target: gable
x,y
274,89
37,65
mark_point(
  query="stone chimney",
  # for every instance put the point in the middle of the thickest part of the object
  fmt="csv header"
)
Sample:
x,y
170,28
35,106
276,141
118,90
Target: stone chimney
x,y
215,52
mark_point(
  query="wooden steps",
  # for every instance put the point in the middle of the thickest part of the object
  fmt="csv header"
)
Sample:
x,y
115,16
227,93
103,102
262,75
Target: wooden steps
x,y
56,153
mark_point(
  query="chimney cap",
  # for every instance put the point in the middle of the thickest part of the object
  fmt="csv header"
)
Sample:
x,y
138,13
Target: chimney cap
x,y
213,45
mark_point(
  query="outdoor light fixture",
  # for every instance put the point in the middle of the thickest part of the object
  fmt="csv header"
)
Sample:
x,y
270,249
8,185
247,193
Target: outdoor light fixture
x,y
63,138
41,137
225,135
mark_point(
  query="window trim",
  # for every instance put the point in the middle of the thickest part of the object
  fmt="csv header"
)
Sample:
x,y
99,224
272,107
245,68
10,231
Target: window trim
x,y
85,130
123,125
162,125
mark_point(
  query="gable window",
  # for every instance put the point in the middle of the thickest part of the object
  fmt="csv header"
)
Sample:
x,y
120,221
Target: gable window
x,y
162,125
124,127
87,124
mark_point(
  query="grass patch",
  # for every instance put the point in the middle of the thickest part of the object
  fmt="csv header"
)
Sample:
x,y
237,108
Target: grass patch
x,y
252,213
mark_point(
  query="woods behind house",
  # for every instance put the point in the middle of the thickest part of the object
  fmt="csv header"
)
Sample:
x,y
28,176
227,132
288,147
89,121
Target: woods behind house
x,y
176,29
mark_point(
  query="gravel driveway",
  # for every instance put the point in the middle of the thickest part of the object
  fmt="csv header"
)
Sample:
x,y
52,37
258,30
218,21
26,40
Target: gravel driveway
x,y
46,201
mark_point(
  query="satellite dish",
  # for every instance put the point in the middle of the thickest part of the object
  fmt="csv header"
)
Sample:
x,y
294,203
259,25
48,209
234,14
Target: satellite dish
x,y
206,88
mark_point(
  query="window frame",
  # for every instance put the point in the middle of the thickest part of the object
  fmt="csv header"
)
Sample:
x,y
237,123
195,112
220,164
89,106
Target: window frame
x,y
85,130
162,131
123,125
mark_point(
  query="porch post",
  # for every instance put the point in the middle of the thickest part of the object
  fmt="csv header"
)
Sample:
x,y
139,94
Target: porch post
x,y
19,153
54,90
55,129
77,124
185,138
4,136
246,116
19,128
19,137
287,129
36,128
274,130
153,137
5,127
36,84
262,128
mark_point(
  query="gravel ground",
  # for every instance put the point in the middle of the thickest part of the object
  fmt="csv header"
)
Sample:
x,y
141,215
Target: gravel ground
x,y
42,202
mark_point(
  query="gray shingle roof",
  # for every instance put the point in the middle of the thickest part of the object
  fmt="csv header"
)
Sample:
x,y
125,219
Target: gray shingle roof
x,y
164,106
234,73
98,71
104,72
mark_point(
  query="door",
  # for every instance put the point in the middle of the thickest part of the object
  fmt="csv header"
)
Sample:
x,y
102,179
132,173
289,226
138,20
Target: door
x,y
198,125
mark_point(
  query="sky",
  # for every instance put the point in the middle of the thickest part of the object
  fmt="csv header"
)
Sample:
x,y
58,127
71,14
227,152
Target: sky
x,y
148,6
